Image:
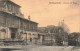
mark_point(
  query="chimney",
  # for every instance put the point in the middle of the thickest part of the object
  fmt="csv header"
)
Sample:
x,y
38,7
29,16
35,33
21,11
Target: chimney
x,y
29,17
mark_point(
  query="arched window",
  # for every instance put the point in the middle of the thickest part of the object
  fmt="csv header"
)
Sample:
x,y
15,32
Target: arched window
x,y
3,30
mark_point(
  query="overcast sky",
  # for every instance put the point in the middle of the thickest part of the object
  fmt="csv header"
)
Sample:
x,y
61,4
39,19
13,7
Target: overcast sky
x,y
48,12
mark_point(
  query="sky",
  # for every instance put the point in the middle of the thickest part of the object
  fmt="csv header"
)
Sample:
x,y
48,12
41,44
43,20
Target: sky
x,y
51,12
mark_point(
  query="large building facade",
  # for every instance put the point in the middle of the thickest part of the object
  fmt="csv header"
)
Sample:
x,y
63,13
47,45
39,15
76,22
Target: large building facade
x,y
12,23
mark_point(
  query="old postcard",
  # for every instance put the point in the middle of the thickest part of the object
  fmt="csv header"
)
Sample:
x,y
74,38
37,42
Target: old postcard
x,y
39,25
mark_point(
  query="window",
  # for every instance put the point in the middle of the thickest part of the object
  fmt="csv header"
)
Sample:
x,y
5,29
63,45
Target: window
x,y
39,36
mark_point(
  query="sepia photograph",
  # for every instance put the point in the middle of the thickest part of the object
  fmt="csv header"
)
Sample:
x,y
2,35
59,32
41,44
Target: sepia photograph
x,y
39,25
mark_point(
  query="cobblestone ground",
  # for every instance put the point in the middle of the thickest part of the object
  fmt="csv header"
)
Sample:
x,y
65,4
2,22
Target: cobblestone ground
x,y
42,48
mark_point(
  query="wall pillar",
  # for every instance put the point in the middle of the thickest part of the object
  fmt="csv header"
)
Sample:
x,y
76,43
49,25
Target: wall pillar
x,y
8,33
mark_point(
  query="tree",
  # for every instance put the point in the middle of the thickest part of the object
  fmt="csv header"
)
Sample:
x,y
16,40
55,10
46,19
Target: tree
x,y
61,36
73,38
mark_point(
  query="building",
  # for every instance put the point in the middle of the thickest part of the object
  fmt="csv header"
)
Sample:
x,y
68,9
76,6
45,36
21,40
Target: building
x,y
47,39
13,25
53,35
47,35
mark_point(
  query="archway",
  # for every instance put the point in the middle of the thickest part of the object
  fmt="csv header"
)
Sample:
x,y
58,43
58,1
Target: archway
x,y
2,34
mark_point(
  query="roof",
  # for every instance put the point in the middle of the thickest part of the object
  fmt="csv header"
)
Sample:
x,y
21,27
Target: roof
x,y
10,2
4,0
14,3
46,33
20,17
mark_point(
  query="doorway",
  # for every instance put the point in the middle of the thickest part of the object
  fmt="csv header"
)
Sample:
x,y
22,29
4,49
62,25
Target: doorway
x,y
13,35
13,32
